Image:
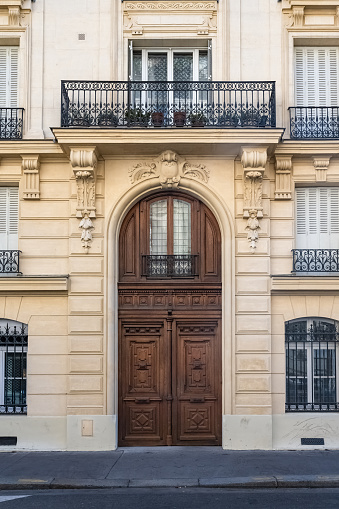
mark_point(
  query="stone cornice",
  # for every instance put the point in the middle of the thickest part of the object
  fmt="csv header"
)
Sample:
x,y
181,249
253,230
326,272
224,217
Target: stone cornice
x,y
19,147
33,284
305,147
304,284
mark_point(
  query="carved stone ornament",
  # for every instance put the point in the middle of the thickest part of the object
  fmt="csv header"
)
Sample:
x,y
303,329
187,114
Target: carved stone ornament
x,y
84,163
283,167
298,15
31,170
169,168
14,13
170,6
321,165
254,160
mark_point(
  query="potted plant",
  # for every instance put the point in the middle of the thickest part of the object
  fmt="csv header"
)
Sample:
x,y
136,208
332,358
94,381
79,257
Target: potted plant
x,y
137,116
197,119
80,118
179,118
157,118
107,118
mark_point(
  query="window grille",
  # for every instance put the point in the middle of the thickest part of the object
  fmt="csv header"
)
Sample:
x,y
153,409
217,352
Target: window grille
x,y
13,367
311,365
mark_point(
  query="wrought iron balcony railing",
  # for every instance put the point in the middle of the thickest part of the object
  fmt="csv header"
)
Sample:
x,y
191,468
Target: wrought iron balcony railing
x,y
11,123
314,122
315,260
162,266
9,261
164,104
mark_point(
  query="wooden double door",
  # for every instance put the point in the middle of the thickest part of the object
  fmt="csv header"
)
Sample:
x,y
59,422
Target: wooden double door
x,y
170,380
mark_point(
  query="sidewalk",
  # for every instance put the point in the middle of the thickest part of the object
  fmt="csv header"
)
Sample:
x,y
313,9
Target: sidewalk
x,y
169,467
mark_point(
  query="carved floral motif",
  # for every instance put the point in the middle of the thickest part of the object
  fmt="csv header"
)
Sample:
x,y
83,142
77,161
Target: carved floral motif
x,y
168,6
86,226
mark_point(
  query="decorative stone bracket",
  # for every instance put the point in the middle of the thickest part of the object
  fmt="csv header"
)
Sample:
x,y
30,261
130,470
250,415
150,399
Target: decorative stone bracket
x,y
31,171
84,163
283,167
169,168
254,160
321,165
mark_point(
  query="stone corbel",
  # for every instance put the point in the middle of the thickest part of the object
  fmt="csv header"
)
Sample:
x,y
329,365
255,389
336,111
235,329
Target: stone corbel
x,y
321,165
283,167
14,13
337,17
298,14
84,162
253,160
31,171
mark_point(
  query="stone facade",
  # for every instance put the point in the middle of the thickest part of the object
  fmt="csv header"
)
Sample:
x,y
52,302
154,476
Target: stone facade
x,y
76,185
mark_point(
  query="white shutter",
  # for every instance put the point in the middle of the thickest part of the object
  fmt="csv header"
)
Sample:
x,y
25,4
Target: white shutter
x,y
9,217
9,59
316,76
317,218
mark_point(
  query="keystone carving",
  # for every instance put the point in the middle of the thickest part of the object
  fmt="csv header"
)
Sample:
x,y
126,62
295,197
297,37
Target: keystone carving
x,y
321,165
31,170
84,163
254,160
169,168
283,166
14,16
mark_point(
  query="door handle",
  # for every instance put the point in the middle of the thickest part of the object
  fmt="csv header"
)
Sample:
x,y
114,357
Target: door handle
x,y
197,400
142,400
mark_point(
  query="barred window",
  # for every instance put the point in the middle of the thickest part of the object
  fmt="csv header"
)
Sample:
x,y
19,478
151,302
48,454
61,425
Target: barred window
x,y
13,367
311,365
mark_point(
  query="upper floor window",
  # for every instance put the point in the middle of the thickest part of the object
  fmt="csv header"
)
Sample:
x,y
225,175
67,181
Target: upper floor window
x,y
9,76
311,365
9,217
316,76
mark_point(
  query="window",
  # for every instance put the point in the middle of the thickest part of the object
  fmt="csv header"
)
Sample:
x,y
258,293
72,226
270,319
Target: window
x,y
170,244
311,365
9,77
13,367
316,76
9,217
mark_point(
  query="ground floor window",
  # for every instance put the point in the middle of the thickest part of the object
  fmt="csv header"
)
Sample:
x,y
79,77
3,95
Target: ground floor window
x,y
311,365
13,367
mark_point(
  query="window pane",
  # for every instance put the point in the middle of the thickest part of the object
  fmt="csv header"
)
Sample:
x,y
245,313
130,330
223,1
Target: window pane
x,y
137,66
181,227
158,228
324,390
203,66
15,378
324,362
296,390
157,66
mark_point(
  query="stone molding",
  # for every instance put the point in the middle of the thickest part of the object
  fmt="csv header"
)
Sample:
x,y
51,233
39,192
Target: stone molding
x,y
84,162
283,170
321,165
14,14
169,168
34,284
170,6
31,170
298,15
253,160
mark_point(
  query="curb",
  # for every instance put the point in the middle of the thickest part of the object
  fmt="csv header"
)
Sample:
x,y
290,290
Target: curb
x,y
306,481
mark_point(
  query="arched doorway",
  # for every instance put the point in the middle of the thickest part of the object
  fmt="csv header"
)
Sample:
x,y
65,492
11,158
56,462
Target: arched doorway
x,y
170,323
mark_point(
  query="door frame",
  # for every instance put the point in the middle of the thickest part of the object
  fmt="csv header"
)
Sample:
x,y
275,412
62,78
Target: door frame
x,y
217,205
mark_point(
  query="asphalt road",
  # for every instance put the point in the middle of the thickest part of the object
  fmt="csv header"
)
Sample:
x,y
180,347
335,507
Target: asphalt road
x,y
180,498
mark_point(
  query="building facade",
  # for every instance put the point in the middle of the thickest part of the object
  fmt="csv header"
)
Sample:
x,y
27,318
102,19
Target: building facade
x,y
169,223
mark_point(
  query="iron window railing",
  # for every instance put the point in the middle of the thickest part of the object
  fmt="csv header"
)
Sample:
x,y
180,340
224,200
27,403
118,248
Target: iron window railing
x,y
174,266
9,261
311,366
13,368
314,122
11,123
163,104
315,260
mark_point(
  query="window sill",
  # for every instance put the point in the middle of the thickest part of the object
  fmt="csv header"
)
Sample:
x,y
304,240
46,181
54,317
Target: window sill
x,y
307,283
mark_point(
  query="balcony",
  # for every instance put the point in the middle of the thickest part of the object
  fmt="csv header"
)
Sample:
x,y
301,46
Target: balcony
x,y
169,266
314,122
316,260
9,262
11,123
155,104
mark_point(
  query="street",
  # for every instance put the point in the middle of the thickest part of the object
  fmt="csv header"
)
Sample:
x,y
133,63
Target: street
x,y
185,498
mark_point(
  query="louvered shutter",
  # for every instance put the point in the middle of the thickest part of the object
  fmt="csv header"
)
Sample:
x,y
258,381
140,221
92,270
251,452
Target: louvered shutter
x,y
316,76
9,217
317,218
9,59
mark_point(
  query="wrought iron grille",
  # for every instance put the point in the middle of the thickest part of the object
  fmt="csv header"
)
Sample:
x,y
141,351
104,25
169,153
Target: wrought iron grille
x,y
315,260
311,367
163,104
11,123
13,357
162,266
314,122
9,261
